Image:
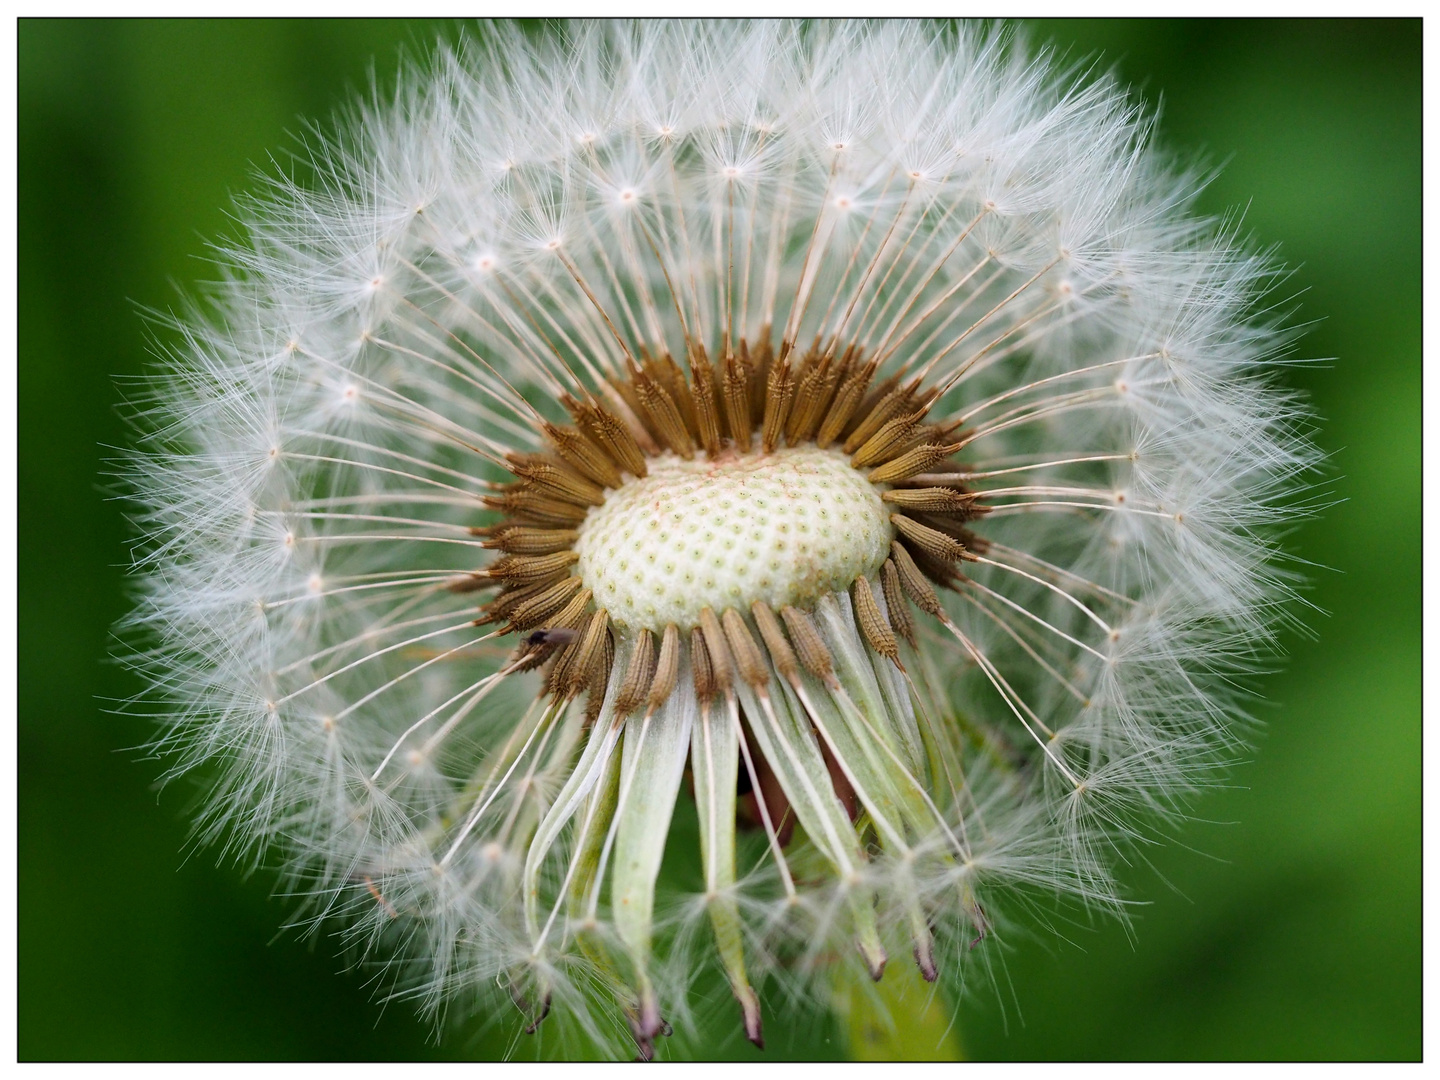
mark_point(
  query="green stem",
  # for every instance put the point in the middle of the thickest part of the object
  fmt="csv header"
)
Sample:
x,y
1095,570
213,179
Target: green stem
x,y
900,1018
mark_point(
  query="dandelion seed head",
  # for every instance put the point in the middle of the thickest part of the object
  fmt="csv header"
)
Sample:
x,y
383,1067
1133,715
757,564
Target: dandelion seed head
x,y
847,428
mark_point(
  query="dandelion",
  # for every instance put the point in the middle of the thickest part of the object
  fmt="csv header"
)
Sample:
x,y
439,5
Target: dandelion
x,y
846,429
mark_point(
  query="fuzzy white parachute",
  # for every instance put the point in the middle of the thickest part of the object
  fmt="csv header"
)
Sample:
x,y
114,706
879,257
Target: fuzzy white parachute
x,y
539,225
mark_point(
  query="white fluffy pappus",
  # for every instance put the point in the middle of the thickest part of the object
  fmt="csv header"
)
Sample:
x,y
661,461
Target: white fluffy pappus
x,y
962,466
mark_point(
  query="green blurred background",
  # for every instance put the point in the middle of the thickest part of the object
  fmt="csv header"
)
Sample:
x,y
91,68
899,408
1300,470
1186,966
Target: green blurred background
x,y
1285,924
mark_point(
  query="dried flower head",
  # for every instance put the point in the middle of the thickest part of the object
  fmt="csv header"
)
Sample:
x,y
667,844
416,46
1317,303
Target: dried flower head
x,y
848,428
